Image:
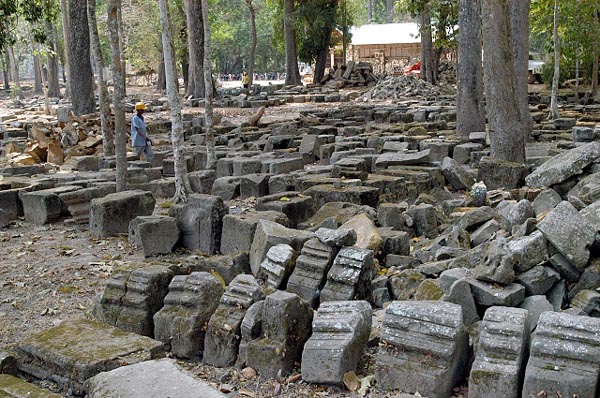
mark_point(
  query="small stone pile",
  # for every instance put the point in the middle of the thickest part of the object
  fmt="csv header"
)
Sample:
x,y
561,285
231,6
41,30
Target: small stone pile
x,y
353,74
400,87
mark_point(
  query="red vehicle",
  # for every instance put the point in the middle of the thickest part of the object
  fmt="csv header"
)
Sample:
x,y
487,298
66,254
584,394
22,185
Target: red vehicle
x,y
414,69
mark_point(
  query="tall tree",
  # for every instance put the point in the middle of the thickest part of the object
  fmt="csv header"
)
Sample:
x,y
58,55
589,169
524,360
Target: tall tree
x,y
113,7
470,115
596,51
14,71
507,140
195,35
292,73
52,60
554,114
208,83
519,24
253,41
389,8
427,64
181,183
67,44
82,83
37,74
105,117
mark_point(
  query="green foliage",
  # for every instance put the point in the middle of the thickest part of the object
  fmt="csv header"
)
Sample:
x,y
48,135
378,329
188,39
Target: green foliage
x,y
314,22
30,11
444,17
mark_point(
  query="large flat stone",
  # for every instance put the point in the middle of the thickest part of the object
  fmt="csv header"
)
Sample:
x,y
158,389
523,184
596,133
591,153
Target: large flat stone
x,y
78,349
13,387
151,379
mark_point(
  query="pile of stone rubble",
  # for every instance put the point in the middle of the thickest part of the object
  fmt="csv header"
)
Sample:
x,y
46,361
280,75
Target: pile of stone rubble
x,y
405,86
373,226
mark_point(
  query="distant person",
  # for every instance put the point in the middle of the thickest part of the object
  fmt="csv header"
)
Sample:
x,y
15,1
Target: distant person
x,y
245,80
139,133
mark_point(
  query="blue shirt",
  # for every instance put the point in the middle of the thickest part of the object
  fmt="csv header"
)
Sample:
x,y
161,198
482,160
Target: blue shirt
x,y
137,123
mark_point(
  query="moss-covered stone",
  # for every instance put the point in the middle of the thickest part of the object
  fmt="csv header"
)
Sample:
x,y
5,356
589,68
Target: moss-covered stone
x,y
13,387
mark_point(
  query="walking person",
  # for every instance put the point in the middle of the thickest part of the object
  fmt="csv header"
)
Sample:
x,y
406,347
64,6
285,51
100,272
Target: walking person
x,y
139,133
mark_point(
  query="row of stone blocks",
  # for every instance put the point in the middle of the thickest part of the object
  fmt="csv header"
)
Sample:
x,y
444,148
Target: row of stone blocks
x,y
423,347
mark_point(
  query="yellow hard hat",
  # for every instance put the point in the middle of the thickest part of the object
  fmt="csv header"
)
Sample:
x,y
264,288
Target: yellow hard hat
x,y
140,106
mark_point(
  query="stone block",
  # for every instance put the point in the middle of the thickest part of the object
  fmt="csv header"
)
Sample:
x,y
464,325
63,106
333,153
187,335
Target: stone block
x,y
154,234
254,185
529,251
286,325
404,284
202,181
394,242
132,296
535,306
425,220
13,387
564,356
350,275
359,195
331,215
498,174
244,166
78,202
227,266
278,265
587,301
78,349
286,165
181,323
269,234
312,266
460,293
489,294
570,233
200,222
392,215
545,201
340,333
462,152
501,354
512,213
223,332
111,214
538,280
226,188
159,378
563,166
238,229
424,348
297,207
44,206
337,237
456,175
388,159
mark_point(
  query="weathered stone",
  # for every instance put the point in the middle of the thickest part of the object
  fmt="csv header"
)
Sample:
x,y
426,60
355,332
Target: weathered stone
x,y
462,152
513,213
447,278
337,237
359,195
425,220
200,222
535,306
227,266
111,214
78,349
297,207
456,175
394,242
496,173
251,330
499,264
538,280
501,353
340,333
563,166
529,251
161,378
132,296
429,290
181,323
460,293
226,188
350,275
367,235
278,265
13,387
223,332
472,218
565,268
286,323
254,185
350,168
269,234
545,201
392,215
398,159
564,356
312,266
488,294
202,181
587,189
583,134
404,285
238,229
570,233
485,232
155,234
588,301
331,215
44,206
425,348
590,279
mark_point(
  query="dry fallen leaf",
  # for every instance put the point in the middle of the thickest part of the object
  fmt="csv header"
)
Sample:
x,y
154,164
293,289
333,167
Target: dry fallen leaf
x,y
365,384
246,393
351,381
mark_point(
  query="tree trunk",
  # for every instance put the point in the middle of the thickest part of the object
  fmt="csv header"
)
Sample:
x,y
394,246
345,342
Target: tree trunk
x,y
44,87
389,8
470,115
519,24
324,41
507,140
195,25
67,45
105,116
370,11
5,73
554,114
14,71
161,81
37,75
595,61
52,60
113,7
427,69
253,41
82,83
211,157
292,74
181,179
122,48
